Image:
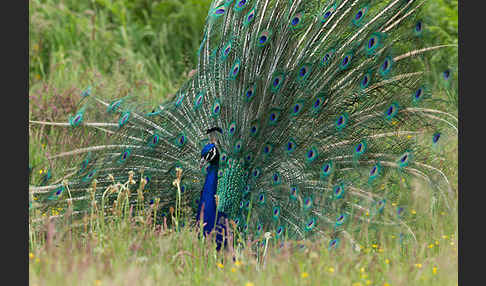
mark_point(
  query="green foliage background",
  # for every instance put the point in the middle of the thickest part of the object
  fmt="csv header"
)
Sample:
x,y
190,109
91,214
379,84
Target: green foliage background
x,y
149,40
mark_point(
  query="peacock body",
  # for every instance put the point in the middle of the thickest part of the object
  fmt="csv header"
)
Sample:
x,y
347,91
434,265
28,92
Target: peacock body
x,y
314,111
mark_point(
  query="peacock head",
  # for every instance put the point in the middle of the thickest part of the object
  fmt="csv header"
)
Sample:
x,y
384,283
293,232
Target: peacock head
x,y
209,154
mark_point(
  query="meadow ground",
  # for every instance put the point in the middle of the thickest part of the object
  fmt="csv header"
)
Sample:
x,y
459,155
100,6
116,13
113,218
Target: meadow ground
x,y
124,247
148,47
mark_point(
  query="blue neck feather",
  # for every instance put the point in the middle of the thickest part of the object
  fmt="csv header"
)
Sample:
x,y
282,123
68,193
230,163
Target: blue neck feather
x,y
210,212
207,198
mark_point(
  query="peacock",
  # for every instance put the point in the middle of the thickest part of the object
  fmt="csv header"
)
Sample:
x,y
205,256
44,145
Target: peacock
x,y
301,120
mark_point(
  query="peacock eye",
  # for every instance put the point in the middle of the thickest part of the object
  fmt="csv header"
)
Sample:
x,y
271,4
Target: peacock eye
x,y
418,26
436,137
404,158
371,43
446,74
385,65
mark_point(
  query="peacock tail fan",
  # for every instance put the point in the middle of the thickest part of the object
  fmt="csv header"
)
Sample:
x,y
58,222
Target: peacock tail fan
x,y
327,113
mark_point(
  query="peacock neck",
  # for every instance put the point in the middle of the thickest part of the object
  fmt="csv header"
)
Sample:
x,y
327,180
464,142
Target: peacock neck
x,y
208,199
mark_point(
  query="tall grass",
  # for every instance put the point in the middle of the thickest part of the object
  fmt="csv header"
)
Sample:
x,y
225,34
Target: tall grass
x,y
119,244
68,38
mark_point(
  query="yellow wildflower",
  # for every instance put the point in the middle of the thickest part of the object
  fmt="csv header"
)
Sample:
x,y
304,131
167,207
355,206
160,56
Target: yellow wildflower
x,y
445,236
331,269
220,265
249,284
436,242
387,261
304,275
362,269
393,236
452,242
374,245
40,171
418,265
364,276
386,284
357,284
434,270
409,136
31,255
431,245
37,76
368,282
233,269
237,263
97,282
367,213
413,212
37,260
394,204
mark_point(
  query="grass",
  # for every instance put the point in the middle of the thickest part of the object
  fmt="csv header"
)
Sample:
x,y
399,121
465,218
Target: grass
x,y
134,256
148,47
122,246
